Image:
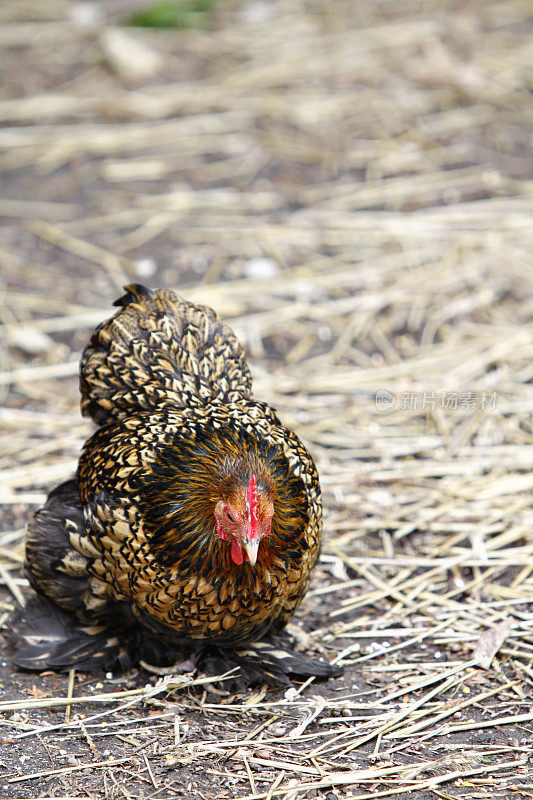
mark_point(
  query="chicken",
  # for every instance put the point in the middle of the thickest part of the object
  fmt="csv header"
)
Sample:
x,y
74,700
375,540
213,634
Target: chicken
x,y
195,516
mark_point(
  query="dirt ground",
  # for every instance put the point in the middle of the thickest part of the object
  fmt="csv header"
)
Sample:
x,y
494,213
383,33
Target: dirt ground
x,y
350,186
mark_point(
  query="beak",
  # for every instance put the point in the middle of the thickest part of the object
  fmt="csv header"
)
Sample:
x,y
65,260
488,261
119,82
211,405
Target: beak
x,y
251,550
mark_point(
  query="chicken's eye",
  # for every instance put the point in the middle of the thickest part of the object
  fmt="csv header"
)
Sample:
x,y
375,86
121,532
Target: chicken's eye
x,y
230,516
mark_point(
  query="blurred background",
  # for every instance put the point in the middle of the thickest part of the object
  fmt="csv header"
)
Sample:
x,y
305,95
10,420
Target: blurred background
x,y
350,185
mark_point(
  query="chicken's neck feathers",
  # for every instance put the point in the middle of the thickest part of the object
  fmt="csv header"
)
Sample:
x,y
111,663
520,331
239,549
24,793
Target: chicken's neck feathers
x,y
180,495
174,465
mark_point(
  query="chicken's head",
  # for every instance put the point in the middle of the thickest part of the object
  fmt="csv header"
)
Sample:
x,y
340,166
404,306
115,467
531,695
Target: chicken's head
x,y
244,518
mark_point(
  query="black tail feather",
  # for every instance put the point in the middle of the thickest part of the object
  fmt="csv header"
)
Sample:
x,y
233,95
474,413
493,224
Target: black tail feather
x,y
269,661
44,637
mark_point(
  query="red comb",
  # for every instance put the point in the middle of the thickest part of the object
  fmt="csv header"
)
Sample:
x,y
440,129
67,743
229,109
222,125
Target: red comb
x,y
251,502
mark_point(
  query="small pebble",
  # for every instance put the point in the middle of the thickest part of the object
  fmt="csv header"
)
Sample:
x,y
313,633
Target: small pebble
x,y
129,57
146,267
257,268
85,14
199,265
277,729
256,13
291,694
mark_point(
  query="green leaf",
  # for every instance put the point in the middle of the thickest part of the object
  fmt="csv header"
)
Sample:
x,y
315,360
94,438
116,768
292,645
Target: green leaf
x,y
174,14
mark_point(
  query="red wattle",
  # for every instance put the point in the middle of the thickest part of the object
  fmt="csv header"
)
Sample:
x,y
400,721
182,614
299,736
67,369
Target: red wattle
x,y
236,552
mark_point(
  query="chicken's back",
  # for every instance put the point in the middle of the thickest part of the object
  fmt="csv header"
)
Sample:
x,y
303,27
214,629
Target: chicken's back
x,y
160,351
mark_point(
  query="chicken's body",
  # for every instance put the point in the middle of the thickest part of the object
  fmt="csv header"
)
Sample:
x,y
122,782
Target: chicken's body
x,y
135,544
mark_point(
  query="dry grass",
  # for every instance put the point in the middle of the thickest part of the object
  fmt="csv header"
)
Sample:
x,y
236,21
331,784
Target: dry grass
x,y
374,157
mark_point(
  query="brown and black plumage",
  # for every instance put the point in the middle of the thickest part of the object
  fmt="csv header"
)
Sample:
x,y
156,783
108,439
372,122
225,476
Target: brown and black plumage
x,y
195,515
